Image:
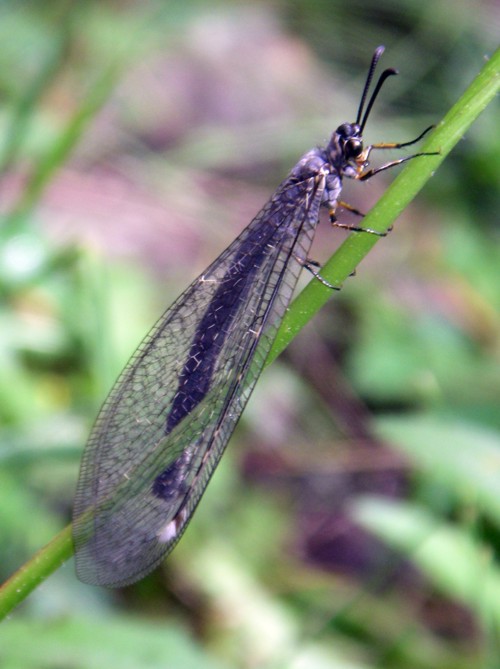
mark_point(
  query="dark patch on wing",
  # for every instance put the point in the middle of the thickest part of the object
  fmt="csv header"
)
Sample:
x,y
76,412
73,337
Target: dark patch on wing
x,y
169,484
213,328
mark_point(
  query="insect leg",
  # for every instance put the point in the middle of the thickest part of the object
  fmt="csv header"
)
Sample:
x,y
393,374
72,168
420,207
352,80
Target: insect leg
x,y
349,207
401,145
363,176
310,265
363,158
353,228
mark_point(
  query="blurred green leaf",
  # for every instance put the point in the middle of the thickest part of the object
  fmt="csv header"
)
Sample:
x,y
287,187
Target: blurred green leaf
x,y
94,643
450,558
464,458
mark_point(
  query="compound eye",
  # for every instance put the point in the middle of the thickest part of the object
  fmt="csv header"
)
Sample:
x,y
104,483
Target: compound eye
x,y
353,148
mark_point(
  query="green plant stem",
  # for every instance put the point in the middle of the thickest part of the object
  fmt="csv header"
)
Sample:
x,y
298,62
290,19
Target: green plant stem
x,y
60,150
340,266
42,564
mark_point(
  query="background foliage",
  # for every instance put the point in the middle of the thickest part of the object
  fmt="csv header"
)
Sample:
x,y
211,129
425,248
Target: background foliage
x,y
355,520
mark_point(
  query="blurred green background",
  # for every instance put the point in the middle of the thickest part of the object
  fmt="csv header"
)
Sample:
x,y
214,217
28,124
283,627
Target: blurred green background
x,y
354,521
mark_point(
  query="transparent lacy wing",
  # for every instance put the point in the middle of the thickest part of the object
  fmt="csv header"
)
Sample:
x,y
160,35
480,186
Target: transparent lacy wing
x,y
167,421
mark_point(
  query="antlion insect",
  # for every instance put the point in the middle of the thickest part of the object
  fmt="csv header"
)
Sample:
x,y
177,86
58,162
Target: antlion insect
x,y
169,417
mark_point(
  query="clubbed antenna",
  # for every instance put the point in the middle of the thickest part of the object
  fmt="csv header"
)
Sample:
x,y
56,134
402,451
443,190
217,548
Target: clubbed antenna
x,y
376,57
385,74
